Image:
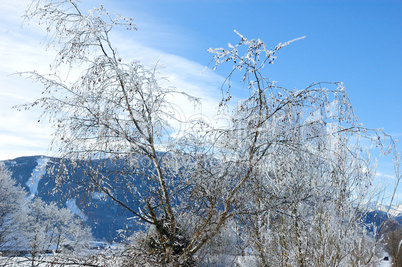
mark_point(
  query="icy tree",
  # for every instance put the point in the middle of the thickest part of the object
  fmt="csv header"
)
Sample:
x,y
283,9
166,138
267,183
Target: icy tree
x,y
47,227
309,179
285,176
11,200
35,226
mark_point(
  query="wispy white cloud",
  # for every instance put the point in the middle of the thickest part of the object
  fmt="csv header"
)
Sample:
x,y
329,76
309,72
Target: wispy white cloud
x,y
20,50
20,134
383,175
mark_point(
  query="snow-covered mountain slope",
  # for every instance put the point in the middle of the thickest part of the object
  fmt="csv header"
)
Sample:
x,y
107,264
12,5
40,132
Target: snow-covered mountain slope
x,y
394,211
37,174
102,215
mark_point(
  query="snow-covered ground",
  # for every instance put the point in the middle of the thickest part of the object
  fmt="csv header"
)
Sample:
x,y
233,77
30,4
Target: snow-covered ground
x,y
25,262
101,259
385,263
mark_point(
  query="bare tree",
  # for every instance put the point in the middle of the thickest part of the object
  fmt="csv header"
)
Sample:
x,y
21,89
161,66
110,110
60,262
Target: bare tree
x,y
393,241
281,154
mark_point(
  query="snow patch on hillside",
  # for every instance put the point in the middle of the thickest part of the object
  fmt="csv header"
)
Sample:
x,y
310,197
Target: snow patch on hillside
x,y
98,195
72,205
393,211
36,175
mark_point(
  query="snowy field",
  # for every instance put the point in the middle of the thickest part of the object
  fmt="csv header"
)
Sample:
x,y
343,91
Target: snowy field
x,y
49,261
385,264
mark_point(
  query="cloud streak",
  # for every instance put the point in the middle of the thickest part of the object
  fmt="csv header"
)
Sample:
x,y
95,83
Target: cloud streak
x,y
20,50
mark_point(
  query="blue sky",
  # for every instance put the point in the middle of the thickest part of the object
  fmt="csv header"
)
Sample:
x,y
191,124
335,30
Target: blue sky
x,y
356,42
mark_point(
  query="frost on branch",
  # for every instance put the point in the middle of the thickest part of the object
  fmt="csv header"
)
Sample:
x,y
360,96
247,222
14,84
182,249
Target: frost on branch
x,y
286,178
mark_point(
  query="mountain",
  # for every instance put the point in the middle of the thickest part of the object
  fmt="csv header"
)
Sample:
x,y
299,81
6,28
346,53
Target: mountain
x,y
101,214
393,211
378,213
